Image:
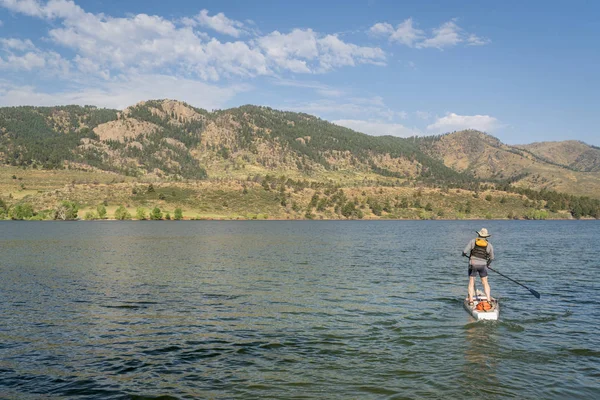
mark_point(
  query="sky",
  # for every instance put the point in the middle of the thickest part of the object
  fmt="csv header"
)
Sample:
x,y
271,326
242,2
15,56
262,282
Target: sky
x,y
523,71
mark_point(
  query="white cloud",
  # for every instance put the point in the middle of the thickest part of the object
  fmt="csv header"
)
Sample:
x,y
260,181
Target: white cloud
x,y
474,40
336,53
220,23
151,44
304,50
455,122
382,28
125,91
118,61
287,50
27,7
1,23
89,68
404,33
16,44
377,128
22,55
25,62
447,35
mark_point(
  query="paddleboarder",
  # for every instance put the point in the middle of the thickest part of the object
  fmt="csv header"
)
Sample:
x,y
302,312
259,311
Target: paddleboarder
x,y
481,253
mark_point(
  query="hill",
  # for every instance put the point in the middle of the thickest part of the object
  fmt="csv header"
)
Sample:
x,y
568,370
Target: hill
x,y
568,167
571,154
171,139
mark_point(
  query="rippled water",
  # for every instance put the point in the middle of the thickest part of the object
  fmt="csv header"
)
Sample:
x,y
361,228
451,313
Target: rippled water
x,y
294,310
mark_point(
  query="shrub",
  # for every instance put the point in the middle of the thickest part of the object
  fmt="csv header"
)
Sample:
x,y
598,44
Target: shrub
x,y
66,211
156,214
121,213
140,213
101,210
21,212
178,215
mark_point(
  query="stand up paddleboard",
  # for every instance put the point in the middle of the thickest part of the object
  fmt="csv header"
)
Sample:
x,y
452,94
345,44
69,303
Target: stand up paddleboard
x,y
480,297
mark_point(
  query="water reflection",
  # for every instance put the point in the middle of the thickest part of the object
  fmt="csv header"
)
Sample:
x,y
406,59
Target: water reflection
x,y
480,355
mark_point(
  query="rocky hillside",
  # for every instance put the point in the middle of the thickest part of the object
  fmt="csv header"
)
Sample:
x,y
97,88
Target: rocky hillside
x,y
170,140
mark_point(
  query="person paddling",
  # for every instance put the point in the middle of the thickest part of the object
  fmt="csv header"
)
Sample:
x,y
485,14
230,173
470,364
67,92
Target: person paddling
x,y
481,253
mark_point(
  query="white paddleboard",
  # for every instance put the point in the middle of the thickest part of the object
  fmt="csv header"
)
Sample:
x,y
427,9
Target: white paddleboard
x,y
492,314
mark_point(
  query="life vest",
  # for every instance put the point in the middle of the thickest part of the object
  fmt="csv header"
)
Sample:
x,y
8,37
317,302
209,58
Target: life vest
x,y
483,306
480,249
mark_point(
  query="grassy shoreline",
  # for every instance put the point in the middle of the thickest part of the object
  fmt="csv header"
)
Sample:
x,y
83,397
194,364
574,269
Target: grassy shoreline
x,y
258,197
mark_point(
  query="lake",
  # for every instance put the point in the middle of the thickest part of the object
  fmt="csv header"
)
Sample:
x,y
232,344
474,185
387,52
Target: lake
x,y
295,310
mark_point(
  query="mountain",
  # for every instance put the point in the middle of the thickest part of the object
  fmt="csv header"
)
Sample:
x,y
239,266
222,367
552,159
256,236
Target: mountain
x,y
170,139
569,167
572,154
173,141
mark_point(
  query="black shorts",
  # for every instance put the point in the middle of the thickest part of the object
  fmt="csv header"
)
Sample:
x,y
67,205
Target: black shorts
x,y
478,269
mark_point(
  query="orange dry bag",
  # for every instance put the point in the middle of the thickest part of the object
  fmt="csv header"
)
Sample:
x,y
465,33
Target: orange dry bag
x,y
483,306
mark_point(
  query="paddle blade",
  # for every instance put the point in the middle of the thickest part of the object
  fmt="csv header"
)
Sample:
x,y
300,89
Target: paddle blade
x,y
533,292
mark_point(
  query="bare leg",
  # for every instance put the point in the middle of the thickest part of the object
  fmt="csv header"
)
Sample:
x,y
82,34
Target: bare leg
x,y
471,288
486,288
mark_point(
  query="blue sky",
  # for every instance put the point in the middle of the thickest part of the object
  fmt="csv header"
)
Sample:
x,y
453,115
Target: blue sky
x,y
523,71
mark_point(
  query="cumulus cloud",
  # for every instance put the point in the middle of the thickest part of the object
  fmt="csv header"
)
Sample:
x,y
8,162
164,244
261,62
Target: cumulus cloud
x,y
218,22
16,44
474,40
405,33
22,55
149,43
448,34
377,128
304,50
455,122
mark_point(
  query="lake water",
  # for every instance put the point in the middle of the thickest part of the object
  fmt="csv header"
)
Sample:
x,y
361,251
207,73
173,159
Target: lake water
x,y
294,310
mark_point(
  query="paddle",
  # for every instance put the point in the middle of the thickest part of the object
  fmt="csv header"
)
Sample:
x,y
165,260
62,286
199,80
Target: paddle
x,y
533,292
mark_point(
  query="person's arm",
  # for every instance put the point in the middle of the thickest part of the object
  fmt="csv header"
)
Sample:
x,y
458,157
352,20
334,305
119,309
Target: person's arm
x,y
467,250
490,254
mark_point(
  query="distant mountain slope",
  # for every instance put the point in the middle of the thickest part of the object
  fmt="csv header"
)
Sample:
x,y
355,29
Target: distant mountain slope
x,y
485,157
571,153
477,153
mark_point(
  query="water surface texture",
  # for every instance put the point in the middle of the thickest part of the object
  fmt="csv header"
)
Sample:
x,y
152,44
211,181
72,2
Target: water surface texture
x,y
294,310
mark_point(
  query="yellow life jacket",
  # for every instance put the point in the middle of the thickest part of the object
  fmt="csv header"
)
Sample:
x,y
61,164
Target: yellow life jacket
x,y
480,249
481,242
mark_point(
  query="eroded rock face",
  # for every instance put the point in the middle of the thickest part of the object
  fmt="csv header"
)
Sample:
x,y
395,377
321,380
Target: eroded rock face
x,y
124,128
181,111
